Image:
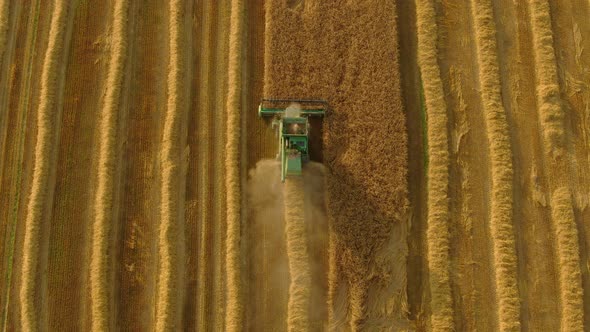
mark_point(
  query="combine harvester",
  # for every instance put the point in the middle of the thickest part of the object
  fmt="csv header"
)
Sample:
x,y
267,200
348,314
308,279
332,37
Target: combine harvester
x,y
290,117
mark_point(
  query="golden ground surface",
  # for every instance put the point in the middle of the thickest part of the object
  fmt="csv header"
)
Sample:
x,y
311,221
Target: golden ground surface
x,y
456,150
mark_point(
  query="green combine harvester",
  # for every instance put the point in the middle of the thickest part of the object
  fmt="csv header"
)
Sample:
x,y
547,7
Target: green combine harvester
x,y
290,117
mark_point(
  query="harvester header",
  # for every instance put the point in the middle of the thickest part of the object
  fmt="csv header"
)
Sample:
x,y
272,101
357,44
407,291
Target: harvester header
x,y
290,117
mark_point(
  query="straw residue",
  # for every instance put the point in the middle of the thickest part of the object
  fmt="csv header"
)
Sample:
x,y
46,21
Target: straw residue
x,y
234,310
502,232
571,294
47,136
438,169
548,99
171,230
297,252
551,114
103,205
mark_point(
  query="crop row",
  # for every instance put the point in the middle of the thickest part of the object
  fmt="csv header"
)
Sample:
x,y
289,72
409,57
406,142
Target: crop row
x,y
502,232
437,233
552,116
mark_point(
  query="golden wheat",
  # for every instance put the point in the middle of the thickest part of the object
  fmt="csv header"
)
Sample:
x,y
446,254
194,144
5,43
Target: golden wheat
x,y
438,169
551,115
103,205
41,191
233,318
502,232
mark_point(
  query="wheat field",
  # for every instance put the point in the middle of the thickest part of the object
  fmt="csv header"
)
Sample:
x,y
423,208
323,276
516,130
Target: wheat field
x,y
448,187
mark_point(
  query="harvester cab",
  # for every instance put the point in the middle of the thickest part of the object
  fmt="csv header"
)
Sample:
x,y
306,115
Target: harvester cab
x,y
290,118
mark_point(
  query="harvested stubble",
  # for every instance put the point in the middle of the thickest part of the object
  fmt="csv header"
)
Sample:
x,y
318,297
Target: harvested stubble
x,y
218,158
551,115
204,187
233,318
41,191
4,11
171,230
103,205
502,232
297,252
438,169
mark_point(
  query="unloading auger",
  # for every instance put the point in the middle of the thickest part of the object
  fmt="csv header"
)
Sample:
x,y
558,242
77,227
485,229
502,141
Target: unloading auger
x,y
290,117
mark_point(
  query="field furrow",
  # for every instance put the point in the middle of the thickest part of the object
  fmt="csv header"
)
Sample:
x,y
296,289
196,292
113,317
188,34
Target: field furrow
x,y
504,248
437,173
41,194
551,117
